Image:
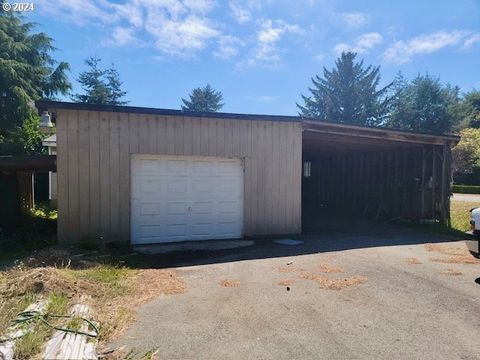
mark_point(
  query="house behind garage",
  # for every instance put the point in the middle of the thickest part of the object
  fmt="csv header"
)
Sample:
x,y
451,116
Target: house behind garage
x,y
142,175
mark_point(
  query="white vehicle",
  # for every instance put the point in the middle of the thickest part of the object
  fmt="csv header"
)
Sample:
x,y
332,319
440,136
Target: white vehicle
x,y
473,243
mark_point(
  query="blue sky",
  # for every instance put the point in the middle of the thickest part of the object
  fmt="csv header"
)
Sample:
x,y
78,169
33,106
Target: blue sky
x,y
260,54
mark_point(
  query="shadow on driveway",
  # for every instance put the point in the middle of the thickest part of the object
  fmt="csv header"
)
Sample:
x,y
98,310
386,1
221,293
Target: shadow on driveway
x,y
327,235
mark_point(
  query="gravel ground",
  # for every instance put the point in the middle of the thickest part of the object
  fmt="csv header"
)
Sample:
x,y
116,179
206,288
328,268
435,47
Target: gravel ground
x,y
383,294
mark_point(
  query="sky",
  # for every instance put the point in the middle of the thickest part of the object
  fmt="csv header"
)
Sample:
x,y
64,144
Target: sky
x,y
261,54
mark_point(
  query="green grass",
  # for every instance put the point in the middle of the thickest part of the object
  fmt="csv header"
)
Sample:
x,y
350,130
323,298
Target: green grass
x,y
57,303
459,220
115,279
31,344
460,214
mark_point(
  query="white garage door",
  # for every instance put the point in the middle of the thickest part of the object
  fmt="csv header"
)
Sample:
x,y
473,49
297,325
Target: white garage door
x,y
181,198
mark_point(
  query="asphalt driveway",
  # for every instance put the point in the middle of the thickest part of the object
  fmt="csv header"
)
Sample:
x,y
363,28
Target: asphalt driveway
x,y
390,293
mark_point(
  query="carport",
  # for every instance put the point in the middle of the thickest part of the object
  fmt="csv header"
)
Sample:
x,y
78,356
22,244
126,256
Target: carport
x,y
374,173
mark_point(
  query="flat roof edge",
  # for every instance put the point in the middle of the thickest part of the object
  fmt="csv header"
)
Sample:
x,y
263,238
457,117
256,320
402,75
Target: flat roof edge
x,y
43,104
313,125
307,123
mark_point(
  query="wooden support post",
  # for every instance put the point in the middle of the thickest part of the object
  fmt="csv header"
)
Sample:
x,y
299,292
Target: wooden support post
x,y
434,170
444,185
424,170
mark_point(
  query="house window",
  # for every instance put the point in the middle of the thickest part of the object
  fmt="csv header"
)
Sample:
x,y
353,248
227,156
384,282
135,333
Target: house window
x,y
307,169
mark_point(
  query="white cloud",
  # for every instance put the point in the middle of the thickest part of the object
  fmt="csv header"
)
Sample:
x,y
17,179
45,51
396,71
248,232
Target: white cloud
x,y
175,27
403,51
270,34
353,20
240,13
265,98
471,41
122,36
362,44
228,47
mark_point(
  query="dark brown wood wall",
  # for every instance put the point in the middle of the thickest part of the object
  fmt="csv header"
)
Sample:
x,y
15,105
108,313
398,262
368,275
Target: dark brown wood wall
x,y
409,182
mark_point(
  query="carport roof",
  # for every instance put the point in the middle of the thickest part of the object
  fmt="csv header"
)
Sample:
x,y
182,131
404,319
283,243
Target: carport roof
x,y
309,125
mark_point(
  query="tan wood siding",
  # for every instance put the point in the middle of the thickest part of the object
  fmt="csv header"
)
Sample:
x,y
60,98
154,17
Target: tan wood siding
x,y
94,154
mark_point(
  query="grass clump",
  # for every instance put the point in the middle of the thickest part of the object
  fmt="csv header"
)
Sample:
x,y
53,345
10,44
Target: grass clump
x,y
115,280
460,214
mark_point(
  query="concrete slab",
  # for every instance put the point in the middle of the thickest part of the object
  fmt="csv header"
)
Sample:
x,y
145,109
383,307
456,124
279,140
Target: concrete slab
x,y
209,245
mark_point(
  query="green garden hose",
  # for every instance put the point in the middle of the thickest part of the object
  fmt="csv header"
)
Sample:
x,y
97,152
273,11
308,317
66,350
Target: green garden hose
x,y
27,317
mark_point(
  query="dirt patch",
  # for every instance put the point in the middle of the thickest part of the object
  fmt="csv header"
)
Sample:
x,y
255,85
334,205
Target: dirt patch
x,y
152,283
457,255
334,284
286,282
452,272
229,283
328,268
412,261
467,260
447,250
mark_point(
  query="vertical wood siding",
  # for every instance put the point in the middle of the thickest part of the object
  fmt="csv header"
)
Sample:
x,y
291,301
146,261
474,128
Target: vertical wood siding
x,y
93,167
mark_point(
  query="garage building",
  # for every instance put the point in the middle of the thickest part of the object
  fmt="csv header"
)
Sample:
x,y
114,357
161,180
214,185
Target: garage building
x,y
142,175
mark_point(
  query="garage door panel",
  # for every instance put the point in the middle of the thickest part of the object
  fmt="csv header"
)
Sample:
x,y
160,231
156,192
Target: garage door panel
x,y
149,209
177,208
177,186
179,198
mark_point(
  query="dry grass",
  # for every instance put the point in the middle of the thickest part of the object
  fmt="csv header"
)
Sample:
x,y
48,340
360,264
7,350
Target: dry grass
x,y
334,284
447,250
412,261
452,272
229,283
328,268
460,215
467,260
113,291
456,254
286,282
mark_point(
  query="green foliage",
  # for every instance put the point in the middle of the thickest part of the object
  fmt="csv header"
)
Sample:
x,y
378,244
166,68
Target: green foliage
x,y
27,73
466,189
347,94
466,155
424,105
468,111
100,86
23,139
27,70
204,99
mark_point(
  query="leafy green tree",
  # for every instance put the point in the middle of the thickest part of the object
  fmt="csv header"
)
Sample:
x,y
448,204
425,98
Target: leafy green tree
x,y
28,72
347,94
468,111
100,86
466,156
424,104
204,99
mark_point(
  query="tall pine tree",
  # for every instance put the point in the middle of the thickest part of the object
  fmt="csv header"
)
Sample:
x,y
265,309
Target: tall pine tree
x,y
204,99
348,94
100,86
424,104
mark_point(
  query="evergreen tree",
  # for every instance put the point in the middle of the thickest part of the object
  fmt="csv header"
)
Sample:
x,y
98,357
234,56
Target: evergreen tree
x,y
424,104
467,111
204,99
28,72
347,94
100,86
